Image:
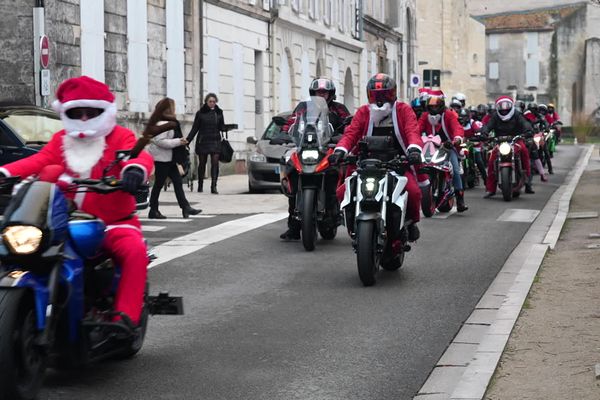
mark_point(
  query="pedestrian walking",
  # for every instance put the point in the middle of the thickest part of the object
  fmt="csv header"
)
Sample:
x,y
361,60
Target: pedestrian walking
x,y
208,125
161,148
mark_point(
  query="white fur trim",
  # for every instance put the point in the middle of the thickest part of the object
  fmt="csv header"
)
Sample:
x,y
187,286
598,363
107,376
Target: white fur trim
x,y
137,166
424,183
341,148
414,146
82,154
123,226
102,125
5,172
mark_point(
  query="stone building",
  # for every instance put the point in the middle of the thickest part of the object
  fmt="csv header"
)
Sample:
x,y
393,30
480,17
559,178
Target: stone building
x,y
546,55
450,40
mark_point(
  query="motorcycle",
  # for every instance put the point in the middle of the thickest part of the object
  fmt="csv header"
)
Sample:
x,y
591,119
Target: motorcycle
x,y
374,207
508,167
317,208
539,154
57,287
439,195
469,170
551,139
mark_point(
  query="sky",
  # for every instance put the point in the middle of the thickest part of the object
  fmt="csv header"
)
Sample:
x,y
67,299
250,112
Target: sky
x,y
478,7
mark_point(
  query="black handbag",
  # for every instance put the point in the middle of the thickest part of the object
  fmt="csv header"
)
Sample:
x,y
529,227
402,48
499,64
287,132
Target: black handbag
x,y
226,154
181,154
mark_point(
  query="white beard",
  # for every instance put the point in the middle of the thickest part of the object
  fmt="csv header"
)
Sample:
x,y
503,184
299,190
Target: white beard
x,y
378,114
434,119
82,154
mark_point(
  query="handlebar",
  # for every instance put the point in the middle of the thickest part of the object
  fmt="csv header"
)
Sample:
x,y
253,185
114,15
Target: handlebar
x,y
102,186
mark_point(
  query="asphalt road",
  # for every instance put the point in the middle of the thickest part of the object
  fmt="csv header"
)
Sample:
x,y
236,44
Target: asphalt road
x,y
267,320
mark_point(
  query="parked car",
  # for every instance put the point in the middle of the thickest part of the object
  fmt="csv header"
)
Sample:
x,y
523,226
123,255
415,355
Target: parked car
x,y
24,129
263,164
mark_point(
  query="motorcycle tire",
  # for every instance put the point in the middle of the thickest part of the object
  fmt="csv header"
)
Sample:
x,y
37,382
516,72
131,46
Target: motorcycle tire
x,y
366,252
471,178
309,220
22,363
506,184
427,203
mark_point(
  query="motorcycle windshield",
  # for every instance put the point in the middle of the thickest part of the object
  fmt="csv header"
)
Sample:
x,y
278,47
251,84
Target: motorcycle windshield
x,y
311,128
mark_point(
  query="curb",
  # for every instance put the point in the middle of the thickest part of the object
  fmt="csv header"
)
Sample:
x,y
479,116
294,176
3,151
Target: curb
x,y
466,368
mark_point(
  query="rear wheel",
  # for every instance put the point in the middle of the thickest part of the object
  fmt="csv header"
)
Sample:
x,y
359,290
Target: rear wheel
x,y
366,252
506,183
22,362
309,220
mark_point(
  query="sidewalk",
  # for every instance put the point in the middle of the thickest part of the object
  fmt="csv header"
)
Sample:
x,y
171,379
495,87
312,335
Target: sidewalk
x,y
233,198
555,345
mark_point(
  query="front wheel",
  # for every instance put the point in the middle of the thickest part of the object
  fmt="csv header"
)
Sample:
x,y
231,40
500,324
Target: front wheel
x,y
366,252
22,361
427,202
309,220
506,183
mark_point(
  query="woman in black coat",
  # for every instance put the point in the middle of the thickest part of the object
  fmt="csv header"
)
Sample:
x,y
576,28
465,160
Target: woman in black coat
x,y
208,124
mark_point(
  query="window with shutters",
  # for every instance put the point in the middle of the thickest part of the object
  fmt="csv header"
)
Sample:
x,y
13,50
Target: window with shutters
x,y
137,55
92,38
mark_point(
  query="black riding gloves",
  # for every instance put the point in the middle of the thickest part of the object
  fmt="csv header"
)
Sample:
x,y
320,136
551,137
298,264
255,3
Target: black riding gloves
x,y
414,155
336,157
132,179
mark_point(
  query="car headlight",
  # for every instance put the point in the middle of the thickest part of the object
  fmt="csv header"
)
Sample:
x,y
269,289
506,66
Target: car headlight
x,y
257,157
370,187
310,156
22,239
504,149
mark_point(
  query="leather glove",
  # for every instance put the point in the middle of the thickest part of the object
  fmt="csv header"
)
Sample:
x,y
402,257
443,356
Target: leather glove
x,y
336,157
414,156
132,179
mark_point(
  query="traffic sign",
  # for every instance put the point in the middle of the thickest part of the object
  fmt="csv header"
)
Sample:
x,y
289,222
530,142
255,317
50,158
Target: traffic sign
x,y
44,51
45,82
415,80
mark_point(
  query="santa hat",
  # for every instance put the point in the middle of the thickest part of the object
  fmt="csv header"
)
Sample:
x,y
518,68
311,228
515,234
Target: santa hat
x,y
437,93
82,92
504,98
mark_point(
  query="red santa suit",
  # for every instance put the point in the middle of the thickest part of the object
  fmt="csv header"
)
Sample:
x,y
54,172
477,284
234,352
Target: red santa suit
x,y
472,128
406,132
448,125
84,149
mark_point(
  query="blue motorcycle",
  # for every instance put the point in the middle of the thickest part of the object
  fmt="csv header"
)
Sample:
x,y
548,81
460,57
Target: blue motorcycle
x,y
57,288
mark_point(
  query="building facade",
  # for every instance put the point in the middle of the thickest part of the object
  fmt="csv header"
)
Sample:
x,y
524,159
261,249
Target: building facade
x,y
451,41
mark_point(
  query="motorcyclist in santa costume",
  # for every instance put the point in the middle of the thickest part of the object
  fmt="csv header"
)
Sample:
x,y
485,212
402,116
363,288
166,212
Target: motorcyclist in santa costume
x,y
84,148
507,122
439,120
386,116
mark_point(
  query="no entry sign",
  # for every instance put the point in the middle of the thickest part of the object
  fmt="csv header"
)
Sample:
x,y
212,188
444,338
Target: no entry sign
x,y
44,51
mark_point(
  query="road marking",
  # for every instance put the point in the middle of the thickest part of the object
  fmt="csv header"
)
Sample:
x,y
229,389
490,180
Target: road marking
x,y
152,228
518,215
168,220
195,241
202,216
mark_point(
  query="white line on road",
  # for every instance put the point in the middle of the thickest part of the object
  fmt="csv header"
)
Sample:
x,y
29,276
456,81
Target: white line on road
x,y
168,220
152,228
518,215
192,242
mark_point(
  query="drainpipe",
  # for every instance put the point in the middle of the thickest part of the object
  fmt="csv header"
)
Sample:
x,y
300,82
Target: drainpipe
x,y
201,33
38,31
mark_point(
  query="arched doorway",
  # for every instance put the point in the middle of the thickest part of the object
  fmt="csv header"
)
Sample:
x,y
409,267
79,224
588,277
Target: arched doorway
x,y
349,91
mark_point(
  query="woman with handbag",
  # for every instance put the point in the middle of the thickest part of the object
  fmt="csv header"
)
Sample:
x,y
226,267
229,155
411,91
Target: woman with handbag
x,y
208,125
168,149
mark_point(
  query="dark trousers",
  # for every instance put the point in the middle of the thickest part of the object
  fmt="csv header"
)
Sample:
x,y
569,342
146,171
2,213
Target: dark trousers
x,y
214,166
164,170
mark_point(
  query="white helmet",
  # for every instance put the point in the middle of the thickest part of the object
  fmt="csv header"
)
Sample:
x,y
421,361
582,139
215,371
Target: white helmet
x,y
460,97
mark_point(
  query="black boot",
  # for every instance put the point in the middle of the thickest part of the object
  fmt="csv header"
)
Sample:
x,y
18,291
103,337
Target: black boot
x,y
413,233
528,189
213,187
155,214
460,202
200,185
293,232
187,211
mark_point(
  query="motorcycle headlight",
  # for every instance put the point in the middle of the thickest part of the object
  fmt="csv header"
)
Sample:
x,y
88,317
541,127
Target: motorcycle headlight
x,y
504,149
257,157
310,156
537,139
370,187
22,239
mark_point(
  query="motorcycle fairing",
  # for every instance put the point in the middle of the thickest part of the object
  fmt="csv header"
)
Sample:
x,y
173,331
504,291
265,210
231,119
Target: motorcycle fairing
x,y
38,285
348,191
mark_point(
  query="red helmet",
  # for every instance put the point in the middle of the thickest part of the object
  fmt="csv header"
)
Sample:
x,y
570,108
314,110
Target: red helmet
x,y
322,85
381,89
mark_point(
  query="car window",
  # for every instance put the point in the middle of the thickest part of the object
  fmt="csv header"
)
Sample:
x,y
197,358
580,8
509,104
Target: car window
x,y
272,130
33,127
6,137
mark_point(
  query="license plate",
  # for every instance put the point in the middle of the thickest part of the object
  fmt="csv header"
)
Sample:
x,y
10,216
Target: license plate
x,y
277,170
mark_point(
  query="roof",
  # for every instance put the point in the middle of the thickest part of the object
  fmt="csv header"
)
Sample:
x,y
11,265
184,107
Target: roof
x,y
540,19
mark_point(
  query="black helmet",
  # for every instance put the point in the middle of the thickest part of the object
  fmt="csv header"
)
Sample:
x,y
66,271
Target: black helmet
x,y
543,109
520,105
381,89
533,107
482,109
322,85
436,104
491,107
